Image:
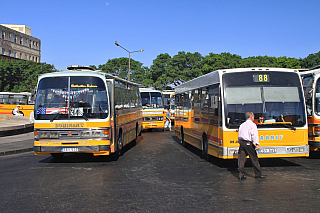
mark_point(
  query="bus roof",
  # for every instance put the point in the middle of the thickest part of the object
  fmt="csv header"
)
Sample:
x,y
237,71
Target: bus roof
x,y
83,72
214,77
15,93
148,90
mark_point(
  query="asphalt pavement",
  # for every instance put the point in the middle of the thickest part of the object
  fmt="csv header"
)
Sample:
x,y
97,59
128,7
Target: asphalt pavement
x,y
16,135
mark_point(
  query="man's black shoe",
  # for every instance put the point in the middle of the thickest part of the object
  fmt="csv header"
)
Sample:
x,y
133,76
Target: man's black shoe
x,y
261,176
242,178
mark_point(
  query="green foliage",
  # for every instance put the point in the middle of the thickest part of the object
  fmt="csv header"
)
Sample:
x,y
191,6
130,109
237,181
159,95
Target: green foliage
x,y
120,66
20,75
311,61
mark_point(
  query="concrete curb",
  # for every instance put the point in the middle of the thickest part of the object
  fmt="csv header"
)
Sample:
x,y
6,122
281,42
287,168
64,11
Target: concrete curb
x,y
17,151
14,125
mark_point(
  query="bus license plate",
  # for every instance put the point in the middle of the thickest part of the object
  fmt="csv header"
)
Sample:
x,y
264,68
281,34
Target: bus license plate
x,y
70,149
266,151
150,123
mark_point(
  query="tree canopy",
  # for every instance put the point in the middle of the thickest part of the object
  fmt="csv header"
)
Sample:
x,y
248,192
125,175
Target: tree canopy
x,y
166,72
20,75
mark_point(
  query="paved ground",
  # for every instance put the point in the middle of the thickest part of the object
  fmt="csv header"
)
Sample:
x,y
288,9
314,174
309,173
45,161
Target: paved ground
x,y
156,175
16,134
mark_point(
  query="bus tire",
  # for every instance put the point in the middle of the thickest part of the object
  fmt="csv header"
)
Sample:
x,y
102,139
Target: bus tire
x,y
118,152
140,131
204,146
183,143
57,155
134,142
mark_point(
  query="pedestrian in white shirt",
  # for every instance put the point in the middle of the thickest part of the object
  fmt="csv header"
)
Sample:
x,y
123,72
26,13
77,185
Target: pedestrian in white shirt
x,y
16,111
249,145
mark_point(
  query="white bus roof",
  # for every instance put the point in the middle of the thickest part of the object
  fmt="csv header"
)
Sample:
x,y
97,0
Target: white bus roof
x,y
214,77
83,72
148,90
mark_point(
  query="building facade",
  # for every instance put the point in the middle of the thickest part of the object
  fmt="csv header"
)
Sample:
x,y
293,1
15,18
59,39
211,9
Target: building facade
x,y
16,43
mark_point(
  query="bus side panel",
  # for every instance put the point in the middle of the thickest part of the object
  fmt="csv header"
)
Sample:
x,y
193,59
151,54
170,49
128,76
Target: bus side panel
x,y
313,133
6,109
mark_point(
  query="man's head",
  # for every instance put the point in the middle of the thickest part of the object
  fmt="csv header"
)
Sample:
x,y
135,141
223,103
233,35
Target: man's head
x,y
18,106
250,116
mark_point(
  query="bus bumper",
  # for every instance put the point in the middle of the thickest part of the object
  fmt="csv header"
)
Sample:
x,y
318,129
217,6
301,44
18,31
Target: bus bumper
x,y
46,150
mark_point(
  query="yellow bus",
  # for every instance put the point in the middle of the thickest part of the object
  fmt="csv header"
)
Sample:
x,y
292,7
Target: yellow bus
x,y
311,85
168,99
10,100
210,109
85,111
152,109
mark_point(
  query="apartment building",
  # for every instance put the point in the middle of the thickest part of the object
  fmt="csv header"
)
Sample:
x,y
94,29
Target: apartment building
x,y
16,43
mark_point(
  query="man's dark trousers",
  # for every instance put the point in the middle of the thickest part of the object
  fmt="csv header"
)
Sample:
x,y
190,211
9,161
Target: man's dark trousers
x,y
247,148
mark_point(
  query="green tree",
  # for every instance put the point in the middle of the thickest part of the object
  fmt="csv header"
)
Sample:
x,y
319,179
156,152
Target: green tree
x,y
20,75
120,66
311,60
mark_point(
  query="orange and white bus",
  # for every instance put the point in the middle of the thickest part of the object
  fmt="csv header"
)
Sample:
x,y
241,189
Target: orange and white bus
x,y
210,109
153,111
10,100
85,111
311,85
168,99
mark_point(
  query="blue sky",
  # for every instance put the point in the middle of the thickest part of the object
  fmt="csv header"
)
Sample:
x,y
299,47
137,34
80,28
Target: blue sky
x,y
83,32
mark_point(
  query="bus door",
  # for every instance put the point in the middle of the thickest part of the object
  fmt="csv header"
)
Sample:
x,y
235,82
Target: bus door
x,y
110,86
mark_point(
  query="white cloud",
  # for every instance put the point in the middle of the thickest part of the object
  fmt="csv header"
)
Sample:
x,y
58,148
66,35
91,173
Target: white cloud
x,y
107,3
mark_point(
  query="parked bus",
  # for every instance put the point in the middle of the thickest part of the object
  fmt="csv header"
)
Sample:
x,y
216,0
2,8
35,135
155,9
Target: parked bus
x,y
168,99
10,100
311,85
85,111
210,109
152,109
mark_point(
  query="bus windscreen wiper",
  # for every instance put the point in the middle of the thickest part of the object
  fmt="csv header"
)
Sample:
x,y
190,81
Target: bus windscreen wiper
x,y
85,117
284,124
56,116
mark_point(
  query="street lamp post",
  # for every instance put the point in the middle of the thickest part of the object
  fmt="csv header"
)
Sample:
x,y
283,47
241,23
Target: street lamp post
x,y
116,43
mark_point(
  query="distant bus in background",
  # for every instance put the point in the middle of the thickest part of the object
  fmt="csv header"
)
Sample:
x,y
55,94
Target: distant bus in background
x,y
152,109
311,86
168,98
10,100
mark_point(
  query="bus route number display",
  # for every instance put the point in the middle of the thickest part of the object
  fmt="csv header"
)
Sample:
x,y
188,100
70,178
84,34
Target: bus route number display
x,y
261,78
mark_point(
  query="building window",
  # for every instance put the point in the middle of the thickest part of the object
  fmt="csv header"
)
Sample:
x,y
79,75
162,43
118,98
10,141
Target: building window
x,y
15,39
29,57
9,35
15,54
3,34
20,40
9,52
20,55
3,51
36,43
30,43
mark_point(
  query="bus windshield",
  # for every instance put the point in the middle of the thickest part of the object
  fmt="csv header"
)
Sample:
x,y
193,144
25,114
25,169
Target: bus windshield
x,y
274,97
151,100
75,97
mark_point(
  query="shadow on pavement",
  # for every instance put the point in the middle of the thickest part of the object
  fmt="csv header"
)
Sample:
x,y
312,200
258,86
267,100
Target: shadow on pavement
x,y
232,164
88,157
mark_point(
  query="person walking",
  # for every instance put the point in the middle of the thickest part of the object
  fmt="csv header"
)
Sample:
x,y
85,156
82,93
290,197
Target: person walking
x,y
249,145
168,120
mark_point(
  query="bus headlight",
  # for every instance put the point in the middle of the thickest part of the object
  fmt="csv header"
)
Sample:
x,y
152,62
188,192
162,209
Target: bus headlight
x,y
43,134
317,130
85,134
95,134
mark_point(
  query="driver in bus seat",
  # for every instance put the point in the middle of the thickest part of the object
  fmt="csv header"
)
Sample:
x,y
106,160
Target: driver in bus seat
x,y
234,115
57,101
271,112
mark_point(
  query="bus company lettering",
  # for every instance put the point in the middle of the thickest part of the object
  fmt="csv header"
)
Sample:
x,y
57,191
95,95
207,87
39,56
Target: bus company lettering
x,y
271,137
70,125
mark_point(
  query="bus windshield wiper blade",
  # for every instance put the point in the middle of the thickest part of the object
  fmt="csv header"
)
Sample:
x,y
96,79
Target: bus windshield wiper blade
x,y
85,117
289,126
55,117
284,124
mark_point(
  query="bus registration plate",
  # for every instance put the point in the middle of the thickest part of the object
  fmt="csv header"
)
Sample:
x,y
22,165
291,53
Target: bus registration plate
x,y
150,123
70,149
267,151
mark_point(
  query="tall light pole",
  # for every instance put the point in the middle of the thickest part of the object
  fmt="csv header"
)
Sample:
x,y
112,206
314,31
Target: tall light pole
x,y
116,43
